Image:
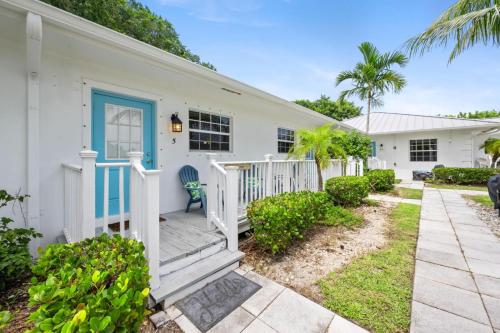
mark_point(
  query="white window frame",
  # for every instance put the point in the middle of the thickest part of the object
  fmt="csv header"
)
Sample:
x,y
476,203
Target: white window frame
x,y
118,132
422,150
281,140
230,134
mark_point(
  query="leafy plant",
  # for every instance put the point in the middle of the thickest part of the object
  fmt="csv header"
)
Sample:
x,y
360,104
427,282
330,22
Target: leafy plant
x,y
324,142
357,145
492,146
339,109
5,318
348,190
336,216
15,259
280,219
464,176
373,77
465,24
97,285
381,180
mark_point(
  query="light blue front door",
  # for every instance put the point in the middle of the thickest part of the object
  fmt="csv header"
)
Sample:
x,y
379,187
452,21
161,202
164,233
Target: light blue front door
x,y
120,124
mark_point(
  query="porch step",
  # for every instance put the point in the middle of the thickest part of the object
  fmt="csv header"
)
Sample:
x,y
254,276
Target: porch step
x,y
183,282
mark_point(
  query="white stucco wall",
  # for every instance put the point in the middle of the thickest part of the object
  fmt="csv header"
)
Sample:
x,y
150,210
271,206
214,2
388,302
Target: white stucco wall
x,y
456,148
66,64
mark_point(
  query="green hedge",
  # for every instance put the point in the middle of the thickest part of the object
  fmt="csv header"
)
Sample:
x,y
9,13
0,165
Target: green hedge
x,y
348,190
280,219
465,176
381,180
98,285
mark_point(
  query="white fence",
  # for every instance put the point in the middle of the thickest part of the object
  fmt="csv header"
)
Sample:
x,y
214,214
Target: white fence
x,y
143,217
233,185
375,163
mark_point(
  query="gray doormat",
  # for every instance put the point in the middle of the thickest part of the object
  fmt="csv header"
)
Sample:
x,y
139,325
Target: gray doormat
x,y
212,303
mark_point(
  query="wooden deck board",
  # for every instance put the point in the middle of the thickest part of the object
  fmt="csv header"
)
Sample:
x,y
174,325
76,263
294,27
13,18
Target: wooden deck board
x,y
183,234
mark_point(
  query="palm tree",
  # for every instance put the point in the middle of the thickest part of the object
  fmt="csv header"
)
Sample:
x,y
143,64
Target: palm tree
x,y
324,142
373,77
492,146
465,24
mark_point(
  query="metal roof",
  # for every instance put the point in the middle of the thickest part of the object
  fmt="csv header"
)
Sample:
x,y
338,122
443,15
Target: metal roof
x,y
385,123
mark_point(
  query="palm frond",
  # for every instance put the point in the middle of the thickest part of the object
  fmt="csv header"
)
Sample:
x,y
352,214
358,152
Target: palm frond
x,y
466,23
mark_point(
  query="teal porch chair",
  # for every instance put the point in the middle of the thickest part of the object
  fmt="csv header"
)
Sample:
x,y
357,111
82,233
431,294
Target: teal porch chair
x,y
191,182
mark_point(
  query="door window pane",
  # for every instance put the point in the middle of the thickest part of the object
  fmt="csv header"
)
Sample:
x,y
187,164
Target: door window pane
x,y
123,131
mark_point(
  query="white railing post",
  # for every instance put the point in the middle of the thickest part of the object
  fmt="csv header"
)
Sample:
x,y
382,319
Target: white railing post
x,y
88,193
231,207
269,175
151,221
301,174
135,199
211,189
360,165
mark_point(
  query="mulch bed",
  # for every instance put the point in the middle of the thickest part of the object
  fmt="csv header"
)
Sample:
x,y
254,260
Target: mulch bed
x,y
15,300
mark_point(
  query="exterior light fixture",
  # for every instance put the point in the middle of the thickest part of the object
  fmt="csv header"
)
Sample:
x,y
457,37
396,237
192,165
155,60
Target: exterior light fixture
x,y
176,123
381,146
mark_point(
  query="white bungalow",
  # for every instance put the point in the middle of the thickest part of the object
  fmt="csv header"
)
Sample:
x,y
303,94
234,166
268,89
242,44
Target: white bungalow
x,y
407,142
89,125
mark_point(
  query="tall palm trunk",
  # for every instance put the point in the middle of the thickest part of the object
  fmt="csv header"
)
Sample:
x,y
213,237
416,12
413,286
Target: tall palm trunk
x,y
368,114
320,176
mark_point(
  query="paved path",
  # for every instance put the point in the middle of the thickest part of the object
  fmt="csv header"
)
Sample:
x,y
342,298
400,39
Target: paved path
x,y
415,184
273,309
457,273
392,198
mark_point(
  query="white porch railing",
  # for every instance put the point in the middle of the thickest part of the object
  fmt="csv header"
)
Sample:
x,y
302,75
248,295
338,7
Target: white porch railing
x,y
143,217
375,163
233,185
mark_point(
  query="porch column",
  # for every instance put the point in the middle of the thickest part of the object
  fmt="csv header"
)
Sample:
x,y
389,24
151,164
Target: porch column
x,y
135,227
88,194
152,224
232,207
269,175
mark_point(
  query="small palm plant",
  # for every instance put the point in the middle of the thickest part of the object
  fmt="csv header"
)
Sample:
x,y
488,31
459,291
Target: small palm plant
x,y
324,142
492,146
465,24
373,77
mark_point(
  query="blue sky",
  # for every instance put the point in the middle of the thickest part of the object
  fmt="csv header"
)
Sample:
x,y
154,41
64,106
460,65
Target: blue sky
x,y
295,48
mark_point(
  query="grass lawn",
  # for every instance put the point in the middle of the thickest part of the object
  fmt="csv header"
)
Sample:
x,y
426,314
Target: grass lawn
x,y
457,187
484,200
375,290
407,193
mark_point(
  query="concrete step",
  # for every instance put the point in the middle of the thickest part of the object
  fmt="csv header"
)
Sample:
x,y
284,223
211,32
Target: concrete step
x,y
179,284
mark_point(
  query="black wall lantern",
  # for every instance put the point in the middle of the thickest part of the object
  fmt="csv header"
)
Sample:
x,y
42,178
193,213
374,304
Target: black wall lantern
x,y
176,123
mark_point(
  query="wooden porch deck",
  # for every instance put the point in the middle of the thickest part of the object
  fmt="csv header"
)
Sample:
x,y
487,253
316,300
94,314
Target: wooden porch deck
x,y
184,234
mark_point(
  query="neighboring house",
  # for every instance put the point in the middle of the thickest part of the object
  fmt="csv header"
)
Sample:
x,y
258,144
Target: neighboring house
x,y
416,142
71,88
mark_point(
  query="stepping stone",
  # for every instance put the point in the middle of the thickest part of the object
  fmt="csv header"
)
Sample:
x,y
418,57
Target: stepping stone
x,y
493,307
484,267
488,285
452,299
258,326
236,321
293,313
442,258
451,276
262,298
427,319
342,325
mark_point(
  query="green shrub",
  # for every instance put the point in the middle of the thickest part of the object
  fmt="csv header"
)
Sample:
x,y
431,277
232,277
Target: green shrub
x,y
280,219
98,285
381,180
348,190
465,176
336,215
15,258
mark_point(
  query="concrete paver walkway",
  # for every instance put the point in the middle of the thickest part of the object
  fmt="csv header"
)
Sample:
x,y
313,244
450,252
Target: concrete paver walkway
x,y
457,272
273,309
392,198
